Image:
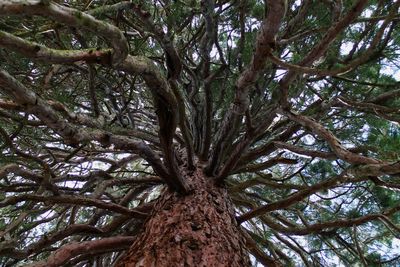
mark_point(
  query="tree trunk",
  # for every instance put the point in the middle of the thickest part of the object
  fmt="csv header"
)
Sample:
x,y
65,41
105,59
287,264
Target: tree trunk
x,y
194,230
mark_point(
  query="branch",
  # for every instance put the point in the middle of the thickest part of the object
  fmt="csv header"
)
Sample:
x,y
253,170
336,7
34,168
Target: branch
x,y
294,198
41,180
376,169
267,148
257,252
167,112
72,199
265,165
328,226
319,49
71,17
69,251
98,11
51,238
306,152
173,60
164,99
240,187
333,142
264,45
74,135
42,53
206,43
331,34
174,66
243,145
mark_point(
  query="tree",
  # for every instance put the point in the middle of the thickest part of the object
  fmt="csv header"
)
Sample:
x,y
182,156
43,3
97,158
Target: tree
x,y
199,133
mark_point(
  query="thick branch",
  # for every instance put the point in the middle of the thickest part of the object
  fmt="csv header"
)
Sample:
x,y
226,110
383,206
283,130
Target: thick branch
x,y
167,112
294,198
333,142
71,17
328,226
257,252
205,47
319,49
165,103
264,45
42,53
69,251
306,152
76,200
72,134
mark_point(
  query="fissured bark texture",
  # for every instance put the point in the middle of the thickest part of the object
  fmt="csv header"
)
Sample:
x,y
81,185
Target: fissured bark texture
x,y
194,230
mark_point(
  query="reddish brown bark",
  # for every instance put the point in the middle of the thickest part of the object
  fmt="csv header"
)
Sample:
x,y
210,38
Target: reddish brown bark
x,y
198,229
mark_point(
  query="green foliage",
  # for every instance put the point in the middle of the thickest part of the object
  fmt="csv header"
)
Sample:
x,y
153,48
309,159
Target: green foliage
x,y
386,136
386,198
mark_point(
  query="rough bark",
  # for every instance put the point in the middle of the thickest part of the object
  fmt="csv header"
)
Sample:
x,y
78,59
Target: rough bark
x,y
198,229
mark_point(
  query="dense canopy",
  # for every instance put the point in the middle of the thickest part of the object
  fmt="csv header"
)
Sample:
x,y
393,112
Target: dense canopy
x,y
293,106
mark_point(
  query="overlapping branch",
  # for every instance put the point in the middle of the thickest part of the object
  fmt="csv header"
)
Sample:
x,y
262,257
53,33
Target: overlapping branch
x,y
71,199
72,134
71,17
67,252
294,198
333,142
265,44
164,101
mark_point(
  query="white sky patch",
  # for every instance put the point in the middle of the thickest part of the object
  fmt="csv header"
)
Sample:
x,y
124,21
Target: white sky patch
x,y
308,140
396,75
392,71
346,47
367,13
365,131
280,72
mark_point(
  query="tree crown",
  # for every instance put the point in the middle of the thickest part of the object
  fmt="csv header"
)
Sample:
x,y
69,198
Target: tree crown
x,y
292,105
